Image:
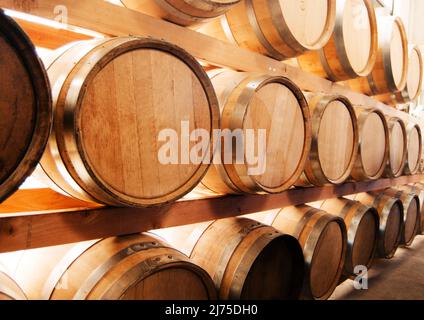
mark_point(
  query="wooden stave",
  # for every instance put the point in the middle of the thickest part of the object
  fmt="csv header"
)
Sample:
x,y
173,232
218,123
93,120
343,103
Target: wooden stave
x,y
403,97
181,12
383,204
226,179
339,68
312,241
352,213
43,120
407,199
313,173
230,288
152,256
409,129
368,85
358,172
71,183
388,173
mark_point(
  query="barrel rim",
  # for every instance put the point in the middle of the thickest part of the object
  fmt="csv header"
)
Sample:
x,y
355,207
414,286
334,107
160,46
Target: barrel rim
x,y
389,173
358,172
19,40
420,83
313,169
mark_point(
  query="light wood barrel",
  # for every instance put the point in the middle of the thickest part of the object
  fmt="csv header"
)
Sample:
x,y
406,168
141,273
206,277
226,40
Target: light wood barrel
x,y
248,260
25,107
373,150
280,29
391,68
182,12
417,189
411,214
353,46
252,103
390,211
362,223
414,81
9,289
334,141
135,267
122,108
414,149
323,239
397,148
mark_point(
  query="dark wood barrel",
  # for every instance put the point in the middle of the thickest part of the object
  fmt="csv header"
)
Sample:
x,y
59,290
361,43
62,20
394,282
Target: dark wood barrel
x,y
249,260
134,267
25,107
390,211
417,189
323,239
362,223
411,214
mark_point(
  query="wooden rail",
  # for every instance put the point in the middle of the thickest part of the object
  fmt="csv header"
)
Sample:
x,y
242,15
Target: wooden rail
x,y
25,230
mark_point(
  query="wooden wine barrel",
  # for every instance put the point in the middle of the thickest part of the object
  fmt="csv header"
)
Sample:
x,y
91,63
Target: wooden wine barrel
x,y
362,223
390,211
252,103
373,148
323,239
414,81
390,70
182,12
418,190
122,106
9,289
334,141
411,214
248,260
414,149
25,107
135,267
279,29
352,49
397,148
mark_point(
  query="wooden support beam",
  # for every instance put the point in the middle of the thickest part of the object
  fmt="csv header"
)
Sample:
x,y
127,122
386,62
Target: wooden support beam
x,y
30,230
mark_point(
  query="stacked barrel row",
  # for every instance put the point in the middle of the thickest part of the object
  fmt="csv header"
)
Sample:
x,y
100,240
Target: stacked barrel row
x,y
301,252
124,118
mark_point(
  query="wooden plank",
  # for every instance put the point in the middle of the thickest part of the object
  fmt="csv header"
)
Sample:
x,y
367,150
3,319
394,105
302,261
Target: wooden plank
x,y
25,231
49,38
110,19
